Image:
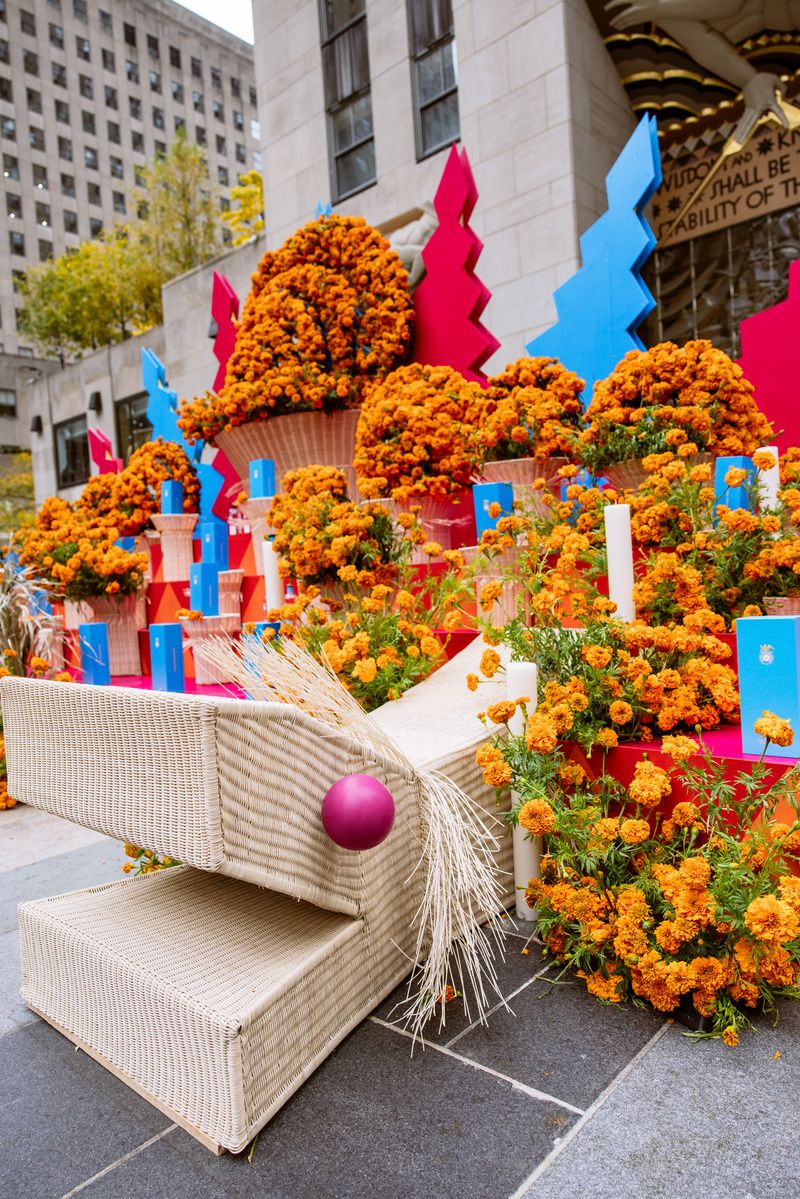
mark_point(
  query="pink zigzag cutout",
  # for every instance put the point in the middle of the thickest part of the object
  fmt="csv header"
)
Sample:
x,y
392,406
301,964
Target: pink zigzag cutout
x,y
101,454
224,310
771,361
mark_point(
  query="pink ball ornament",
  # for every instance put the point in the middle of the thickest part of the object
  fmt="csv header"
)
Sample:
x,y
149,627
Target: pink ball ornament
x,y
358,812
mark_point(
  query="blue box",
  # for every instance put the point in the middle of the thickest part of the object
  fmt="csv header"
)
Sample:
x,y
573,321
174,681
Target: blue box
x,y
95,666
204,588
733,497
166,657
769,677
262,479
171,498
485,494
261,625
126,543
214,543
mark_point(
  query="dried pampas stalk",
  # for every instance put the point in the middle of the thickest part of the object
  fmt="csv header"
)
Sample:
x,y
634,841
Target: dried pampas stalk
x,y
461,889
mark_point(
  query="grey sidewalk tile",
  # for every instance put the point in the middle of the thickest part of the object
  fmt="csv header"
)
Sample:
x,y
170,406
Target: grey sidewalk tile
x,y
559,1039
63,1117
371,1123
513,971
98,863
13,1012
693,1119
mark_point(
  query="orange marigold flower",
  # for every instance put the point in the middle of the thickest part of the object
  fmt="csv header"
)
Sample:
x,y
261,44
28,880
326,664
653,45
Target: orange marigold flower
x,y
771,920
472,682
634,832
776,730
597,656
502,712
537,817
607,738
621,712
541,735
490,663
679,748
729,1035
650,784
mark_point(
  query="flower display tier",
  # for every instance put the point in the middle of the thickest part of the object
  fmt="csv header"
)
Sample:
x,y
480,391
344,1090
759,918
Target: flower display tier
x,y
175,532
123,640
292,441
230,592
209,627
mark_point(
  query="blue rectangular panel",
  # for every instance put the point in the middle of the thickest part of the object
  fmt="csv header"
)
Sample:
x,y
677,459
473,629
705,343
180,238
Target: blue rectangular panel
x,y
769,677
262,478
486,494
171,497
166,657
204,588
93,638
214,543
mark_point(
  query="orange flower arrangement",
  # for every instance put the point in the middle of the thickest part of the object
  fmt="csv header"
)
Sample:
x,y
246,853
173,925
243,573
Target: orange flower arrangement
x,y
670,396
533,410
418,434
327,314
130,498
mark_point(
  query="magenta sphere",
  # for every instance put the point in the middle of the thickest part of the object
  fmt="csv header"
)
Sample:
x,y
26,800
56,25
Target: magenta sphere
x,y
358,812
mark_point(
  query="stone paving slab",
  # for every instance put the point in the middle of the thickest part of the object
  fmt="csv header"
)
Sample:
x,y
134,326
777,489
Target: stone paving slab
x,y
29,835
691,1120
96,863
13,1011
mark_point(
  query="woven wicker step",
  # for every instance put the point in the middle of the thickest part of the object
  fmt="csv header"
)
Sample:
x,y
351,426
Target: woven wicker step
x,y
213,998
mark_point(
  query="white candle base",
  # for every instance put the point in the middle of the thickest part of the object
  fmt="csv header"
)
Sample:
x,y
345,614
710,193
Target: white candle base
x,y
527,855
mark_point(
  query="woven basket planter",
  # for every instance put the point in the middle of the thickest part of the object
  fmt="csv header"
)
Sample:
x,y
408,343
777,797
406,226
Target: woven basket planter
x,y
123,639
230,592
782,605
522,473
256,513
450,524
294,440
629,475
506,606
176,533
199,631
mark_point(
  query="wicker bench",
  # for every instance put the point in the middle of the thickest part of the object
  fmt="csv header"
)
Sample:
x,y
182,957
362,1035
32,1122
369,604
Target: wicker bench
x,y
213,997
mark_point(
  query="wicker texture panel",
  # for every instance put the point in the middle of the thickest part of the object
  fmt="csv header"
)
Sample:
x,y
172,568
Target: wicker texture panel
x,y
216,997
134,765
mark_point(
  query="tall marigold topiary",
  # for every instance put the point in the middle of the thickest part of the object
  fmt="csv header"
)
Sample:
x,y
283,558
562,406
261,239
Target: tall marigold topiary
x,y
534,410
327,315
129,499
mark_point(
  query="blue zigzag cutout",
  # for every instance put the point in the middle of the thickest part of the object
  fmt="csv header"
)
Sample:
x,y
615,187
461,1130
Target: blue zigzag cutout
x,y
162,412
601,305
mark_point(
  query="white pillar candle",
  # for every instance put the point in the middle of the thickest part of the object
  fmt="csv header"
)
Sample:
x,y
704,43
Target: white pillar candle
x,y
522,678
769,480
273,583
619,550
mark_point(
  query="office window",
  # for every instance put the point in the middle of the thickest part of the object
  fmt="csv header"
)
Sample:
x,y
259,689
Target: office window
x,y
70,222
236,87
238,119
4,55
433,75
119,202
79,7
34,100
40,177
155,81
222,176
95,226
222,145
8,403
216,77
83,48
57,36
197,102
16,280
93,194
132,71
45,250
224,204
175,57
158,118
348,103
65,149
59,73
56,4
68,185
177,91
36,139
72,452
129,33
133,427
27,22
117,169
30,62
13,207
197,68
137,141
88,122
6,91
43,215
10,167
200,135
62,111
152,46
139,175
160,148
255,129
8,128
253,97
180,123
241,155
16,241
105,21
135,107
219,109
109,61
113,131
90,158
2,10
111,97
86,87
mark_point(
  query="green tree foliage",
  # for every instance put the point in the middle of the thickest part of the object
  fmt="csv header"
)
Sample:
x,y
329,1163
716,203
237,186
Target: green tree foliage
x,y
248,217
17,508
110,288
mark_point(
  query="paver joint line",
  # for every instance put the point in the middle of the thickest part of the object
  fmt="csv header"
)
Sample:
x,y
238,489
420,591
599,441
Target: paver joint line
x,y
120,1161
586,1116
504,1002
540,1096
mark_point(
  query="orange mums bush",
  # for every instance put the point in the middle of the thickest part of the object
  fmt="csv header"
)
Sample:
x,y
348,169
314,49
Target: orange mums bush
x,y
328,314
533,410
419,434
128,500
667,397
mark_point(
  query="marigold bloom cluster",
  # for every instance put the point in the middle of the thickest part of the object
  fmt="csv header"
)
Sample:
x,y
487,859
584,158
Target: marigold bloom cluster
x,y
533,410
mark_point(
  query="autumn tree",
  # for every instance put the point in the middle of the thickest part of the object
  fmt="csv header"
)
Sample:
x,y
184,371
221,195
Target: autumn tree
x,y
247,218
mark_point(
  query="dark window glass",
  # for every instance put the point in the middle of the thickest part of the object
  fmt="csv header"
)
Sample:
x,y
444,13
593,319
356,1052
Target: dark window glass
x,y
133,427
253,97
135,107
30,62
197,102
67,185
158,118
90,157
222,145
83,48
16,241
241,155
43,215
175,57
109,62
59,72
132,71
16,280
4,55
93,193
80,9
27,22
8,128
119,202
155,81
152,46
197,68
117,169
36,139
40,177
57,36
72,452
105,22
200,135
222,176
433,75
88,122
10,167
95,226
34,100
45,250
113,131
8,402
180,123
2,10
6,91
65,149
111,97
86,86
137,141
70,222
13,206
219,110
238,119
62,111
129,33
216,77
160,148
177,91
236,87
224,204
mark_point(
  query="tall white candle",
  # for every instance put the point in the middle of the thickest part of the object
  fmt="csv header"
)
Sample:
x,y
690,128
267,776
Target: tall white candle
x,y
273,583
522,678
619,550
769,480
